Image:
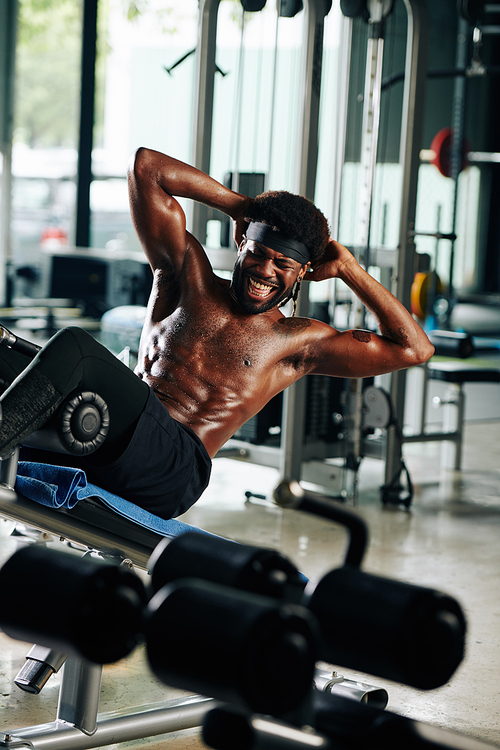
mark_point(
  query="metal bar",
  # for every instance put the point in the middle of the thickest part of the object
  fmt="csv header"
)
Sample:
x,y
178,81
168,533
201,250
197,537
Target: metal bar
x,y
490,29
369,143
369,139
171,716
8,469
460,427
432,437
79,694
453,419
423,406
204,104
458,117
268,455
437,235
411,138
340,123
291,495
294,397
8,35
66,526
477,157
311,87
86,138
273,91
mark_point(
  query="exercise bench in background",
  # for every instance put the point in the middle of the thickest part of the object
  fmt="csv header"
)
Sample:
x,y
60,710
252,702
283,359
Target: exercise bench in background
x,y
452,364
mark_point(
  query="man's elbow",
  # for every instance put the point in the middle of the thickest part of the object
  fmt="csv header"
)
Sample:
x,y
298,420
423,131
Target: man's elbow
x,y
430,351
139,162
420,355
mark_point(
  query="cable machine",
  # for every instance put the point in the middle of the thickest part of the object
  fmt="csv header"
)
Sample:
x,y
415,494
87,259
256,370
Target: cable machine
x,y
402,267
290,457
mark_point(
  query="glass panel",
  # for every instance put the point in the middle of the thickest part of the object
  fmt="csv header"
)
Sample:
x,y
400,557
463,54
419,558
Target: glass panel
x,y
257,98
145,90
46,115
329,134
435,213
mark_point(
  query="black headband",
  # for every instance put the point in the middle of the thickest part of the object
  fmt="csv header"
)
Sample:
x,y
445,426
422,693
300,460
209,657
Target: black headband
x,y
263,234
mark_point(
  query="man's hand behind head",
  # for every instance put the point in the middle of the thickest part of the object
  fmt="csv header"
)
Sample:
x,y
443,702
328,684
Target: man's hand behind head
x,y
240,224
331,263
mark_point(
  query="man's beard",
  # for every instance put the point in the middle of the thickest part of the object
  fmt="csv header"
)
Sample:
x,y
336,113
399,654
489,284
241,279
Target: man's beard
x,y
239,286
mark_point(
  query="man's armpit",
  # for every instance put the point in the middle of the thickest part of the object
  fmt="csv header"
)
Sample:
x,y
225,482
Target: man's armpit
x,y
165,281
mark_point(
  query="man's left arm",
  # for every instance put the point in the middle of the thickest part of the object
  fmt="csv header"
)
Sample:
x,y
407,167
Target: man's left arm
x,y
402,343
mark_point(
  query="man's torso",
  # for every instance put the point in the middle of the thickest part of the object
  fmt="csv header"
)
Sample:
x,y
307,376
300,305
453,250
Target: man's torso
x,y
212,365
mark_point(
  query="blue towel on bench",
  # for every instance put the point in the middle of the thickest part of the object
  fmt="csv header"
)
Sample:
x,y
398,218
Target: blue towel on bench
x,y
63,487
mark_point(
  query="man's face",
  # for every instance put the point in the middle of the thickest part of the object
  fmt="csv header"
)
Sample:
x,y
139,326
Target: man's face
x,y
263,278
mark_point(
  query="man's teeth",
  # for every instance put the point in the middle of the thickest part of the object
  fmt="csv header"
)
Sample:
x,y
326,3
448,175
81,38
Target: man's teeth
x,y
260,287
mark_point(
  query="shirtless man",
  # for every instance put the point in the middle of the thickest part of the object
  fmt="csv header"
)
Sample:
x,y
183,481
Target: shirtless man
x,y
213,352
216,351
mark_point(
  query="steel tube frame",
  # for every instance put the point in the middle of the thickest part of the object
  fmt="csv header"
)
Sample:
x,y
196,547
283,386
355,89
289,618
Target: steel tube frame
x,y
86,131
150,721
204,103
294,397
78,530
79,695
411,139
369,143
8,35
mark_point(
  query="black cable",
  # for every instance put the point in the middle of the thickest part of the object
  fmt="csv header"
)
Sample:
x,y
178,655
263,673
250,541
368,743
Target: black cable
x,y
394,486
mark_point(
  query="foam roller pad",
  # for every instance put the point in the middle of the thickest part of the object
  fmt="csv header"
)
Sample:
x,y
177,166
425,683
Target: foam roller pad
x,y
80,605
388,628
231,645
256,569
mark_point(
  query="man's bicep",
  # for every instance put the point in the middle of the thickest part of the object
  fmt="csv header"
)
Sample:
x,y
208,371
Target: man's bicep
x,y
358,354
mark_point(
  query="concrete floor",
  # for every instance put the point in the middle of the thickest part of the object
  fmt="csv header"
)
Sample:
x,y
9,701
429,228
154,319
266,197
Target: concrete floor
x,y
449,540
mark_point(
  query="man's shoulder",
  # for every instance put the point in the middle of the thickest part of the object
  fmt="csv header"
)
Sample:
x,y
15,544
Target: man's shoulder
x,y
290,327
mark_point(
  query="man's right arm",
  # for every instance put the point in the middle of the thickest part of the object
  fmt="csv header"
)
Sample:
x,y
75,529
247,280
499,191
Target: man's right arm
x,y
402,343
155,180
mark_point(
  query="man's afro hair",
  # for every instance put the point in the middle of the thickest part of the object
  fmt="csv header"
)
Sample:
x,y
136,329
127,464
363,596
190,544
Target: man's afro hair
x,y
293,215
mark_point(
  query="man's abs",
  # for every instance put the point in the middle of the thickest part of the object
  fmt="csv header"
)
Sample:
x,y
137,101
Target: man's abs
x,y
214,368
213,413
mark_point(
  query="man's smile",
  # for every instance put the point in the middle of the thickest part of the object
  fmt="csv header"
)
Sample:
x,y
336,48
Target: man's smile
x,y
259,288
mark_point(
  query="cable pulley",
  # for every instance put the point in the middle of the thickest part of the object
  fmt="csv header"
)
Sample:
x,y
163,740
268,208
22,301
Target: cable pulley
x,y
252,6
370,10
471,10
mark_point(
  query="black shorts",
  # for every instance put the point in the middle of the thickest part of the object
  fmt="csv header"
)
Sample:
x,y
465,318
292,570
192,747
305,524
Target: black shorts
x,y
164,469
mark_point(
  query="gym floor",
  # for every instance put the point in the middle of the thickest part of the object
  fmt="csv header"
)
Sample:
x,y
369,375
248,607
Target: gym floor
x,y
448,540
